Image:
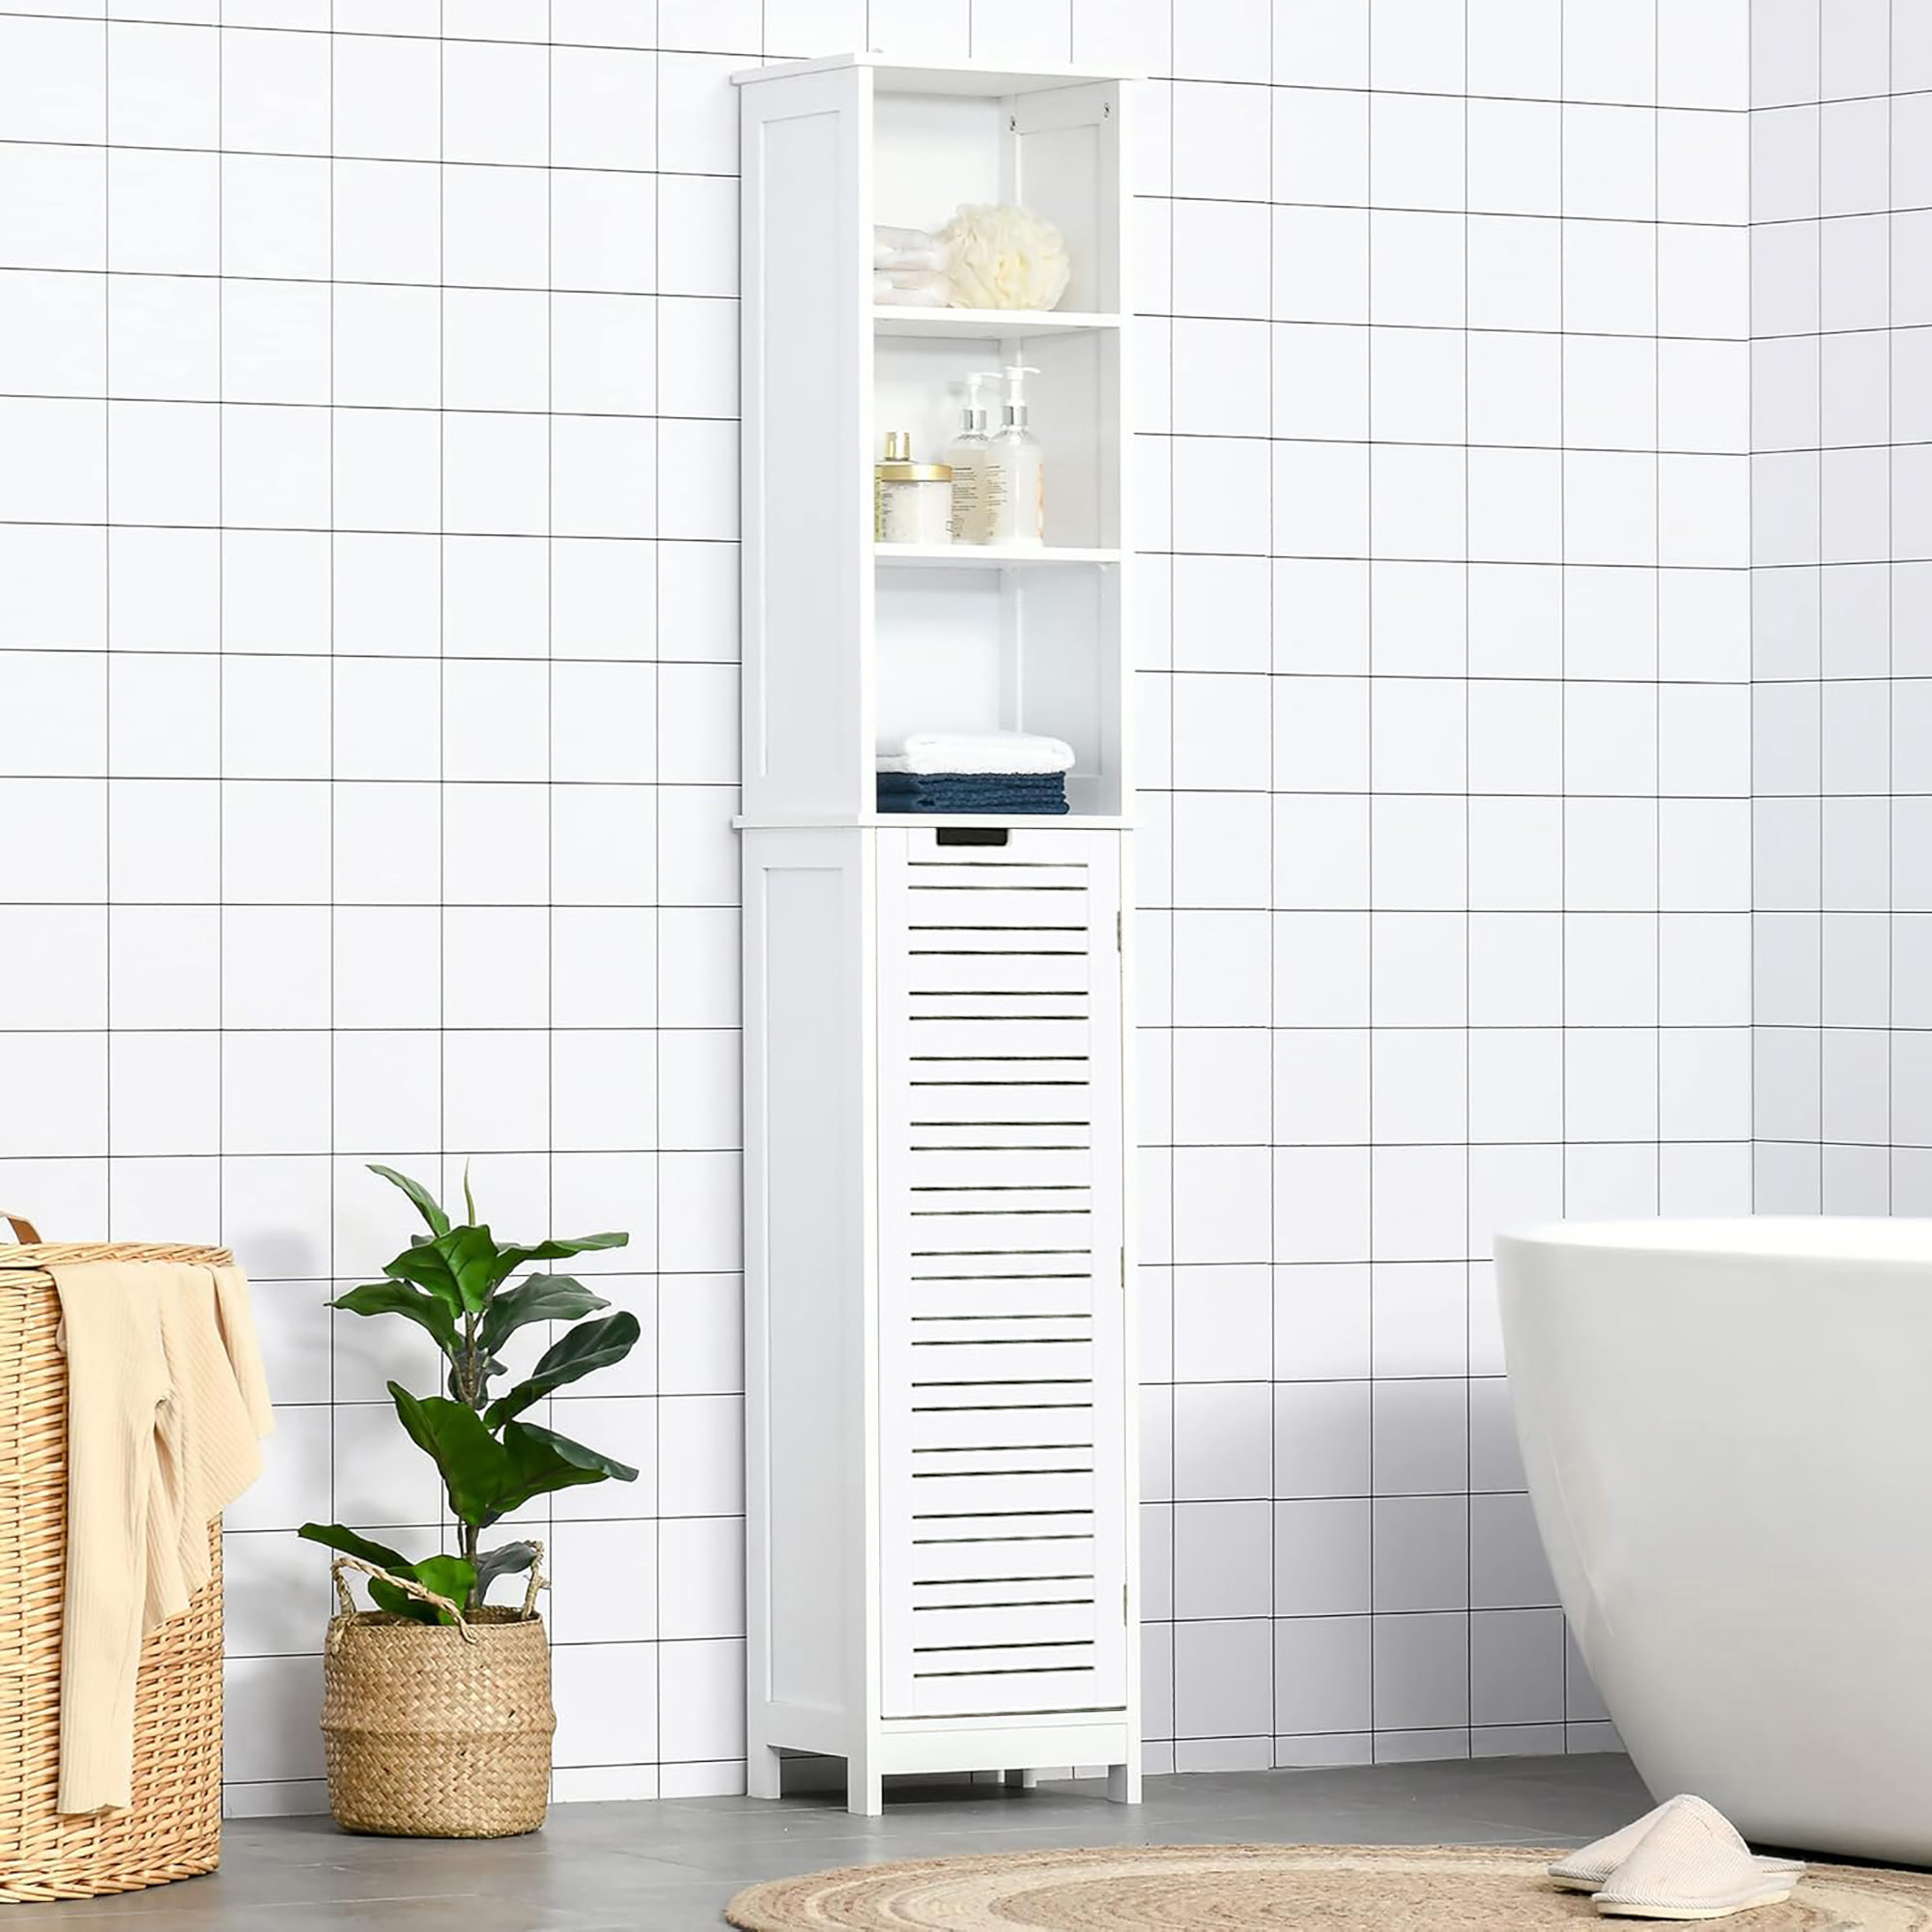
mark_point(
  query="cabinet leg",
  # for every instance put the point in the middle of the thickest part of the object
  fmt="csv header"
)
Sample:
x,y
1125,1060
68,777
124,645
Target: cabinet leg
x,y
1123,1783
864,1789
1022,1780
761,1771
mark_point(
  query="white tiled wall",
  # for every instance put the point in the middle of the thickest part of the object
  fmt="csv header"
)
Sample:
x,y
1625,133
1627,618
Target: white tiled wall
x,y
1842,321
1448,855
366,530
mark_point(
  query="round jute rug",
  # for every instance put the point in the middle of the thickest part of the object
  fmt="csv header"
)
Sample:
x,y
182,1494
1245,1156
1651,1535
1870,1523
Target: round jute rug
x,y
1240,1887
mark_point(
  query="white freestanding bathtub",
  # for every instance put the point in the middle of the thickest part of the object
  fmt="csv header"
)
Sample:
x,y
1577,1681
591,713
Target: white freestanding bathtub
x,y
1728,1426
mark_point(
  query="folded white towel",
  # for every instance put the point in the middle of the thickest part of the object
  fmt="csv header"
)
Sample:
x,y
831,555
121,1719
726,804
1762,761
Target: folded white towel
x,y
906,249
925,754
912,289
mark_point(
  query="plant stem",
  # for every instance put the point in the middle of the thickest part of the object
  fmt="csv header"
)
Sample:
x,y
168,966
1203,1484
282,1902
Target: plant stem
x,y
472,1536
470,1385
466,1376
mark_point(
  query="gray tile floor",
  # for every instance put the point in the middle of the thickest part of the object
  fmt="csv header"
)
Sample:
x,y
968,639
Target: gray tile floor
x,y
671,1867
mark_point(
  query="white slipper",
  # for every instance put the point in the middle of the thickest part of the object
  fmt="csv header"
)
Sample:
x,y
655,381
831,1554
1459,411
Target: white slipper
x,y
1691,1864
1592,1867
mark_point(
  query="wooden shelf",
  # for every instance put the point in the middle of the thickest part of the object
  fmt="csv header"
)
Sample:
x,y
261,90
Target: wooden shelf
x,y
985,325
989,557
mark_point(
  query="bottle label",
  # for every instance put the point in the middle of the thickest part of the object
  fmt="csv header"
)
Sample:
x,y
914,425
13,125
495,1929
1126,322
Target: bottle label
x,y
993,513
979,500
912,513
966,494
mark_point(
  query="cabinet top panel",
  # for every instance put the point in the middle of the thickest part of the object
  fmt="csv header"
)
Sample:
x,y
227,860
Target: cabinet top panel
x,y
978,78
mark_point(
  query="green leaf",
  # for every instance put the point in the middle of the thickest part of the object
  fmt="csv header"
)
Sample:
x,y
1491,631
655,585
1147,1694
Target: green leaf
x,y
448,1576
425,1201
475,1469
468,1199
479,1266
399,1602
476,1264
541,1461
580,1351
511,1259
593,1462
557,1249
425,1263
537,1298
507,1559
459,1266
464,1266
384,1595
406,1300
332,1536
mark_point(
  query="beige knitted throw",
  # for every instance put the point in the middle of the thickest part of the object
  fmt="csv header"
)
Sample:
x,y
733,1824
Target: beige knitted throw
x,y
166,1401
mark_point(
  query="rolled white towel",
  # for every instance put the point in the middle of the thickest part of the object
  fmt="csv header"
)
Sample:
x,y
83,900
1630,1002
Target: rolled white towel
x,y
969,753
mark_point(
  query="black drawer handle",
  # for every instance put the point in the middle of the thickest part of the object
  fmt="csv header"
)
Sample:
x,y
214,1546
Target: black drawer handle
x,y
970,835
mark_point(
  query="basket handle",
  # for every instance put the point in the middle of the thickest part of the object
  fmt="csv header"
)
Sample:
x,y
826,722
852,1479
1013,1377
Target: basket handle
x,y
408,1588
24,1231
538,1581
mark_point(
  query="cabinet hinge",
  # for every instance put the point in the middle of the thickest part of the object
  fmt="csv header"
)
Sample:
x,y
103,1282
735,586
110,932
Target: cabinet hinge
x,y
1119,936
1123,1270
1124,1603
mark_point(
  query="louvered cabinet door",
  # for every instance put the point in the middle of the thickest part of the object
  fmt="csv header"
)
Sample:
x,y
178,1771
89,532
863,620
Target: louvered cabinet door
x,y
1001,1299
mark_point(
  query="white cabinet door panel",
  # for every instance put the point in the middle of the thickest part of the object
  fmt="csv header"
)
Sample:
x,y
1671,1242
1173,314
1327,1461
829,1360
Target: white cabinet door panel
x,y
1001,1302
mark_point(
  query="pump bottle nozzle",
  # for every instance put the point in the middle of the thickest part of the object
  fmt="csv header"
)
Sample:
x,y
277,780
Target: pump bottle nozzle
x,y
1014,377
973,412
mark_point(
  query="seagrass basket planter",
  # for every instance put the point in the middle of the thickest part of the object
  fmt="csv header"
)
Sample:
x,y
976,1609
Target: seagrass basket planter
x,y
173,1828
437,1731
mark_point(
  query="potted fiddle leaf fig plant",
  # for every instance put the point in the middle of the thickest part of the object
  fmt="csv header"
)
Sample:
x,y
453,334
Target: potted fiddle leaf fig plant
x,y
437,1712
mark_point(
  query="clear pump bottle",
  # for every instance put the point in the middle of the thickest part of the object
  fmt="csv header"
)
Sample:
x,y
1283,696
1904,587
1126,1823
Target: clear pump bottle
x,y
975,478
1020,517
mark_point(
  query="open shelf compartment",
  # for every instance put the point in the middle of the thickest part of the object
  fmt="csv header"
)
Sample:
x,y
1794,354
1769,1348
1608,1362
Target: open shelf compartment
x,y
1003,640
976,651
849,643
918,384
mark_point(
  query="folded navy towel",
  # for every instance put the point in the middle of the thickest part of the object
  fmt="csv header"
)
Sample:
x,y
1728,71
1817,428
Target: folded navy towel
x,y
985,807
973,792
1014,785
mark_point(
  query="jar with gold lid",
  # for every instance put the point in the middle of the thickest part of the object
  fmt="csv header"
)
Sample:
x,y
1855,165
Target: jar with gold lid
x,y
912,502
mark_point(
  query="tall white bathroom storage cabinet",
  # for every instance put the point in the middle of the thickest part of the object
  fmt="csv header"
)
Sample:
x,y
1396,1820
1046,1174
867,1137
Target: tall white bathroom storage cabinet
x,y
940,1380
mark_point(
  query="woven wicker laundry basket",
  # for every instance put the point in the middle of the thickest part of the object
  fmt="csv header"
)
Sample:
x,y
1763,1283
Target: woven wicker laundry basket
x,y
437,1731
173,1828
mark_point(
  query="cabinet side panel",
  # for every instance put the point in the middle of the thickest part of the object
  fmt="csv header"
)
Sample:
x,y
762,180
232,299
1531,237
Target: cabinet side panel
x,y
806,354
806,1265
1065,621
1066,163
